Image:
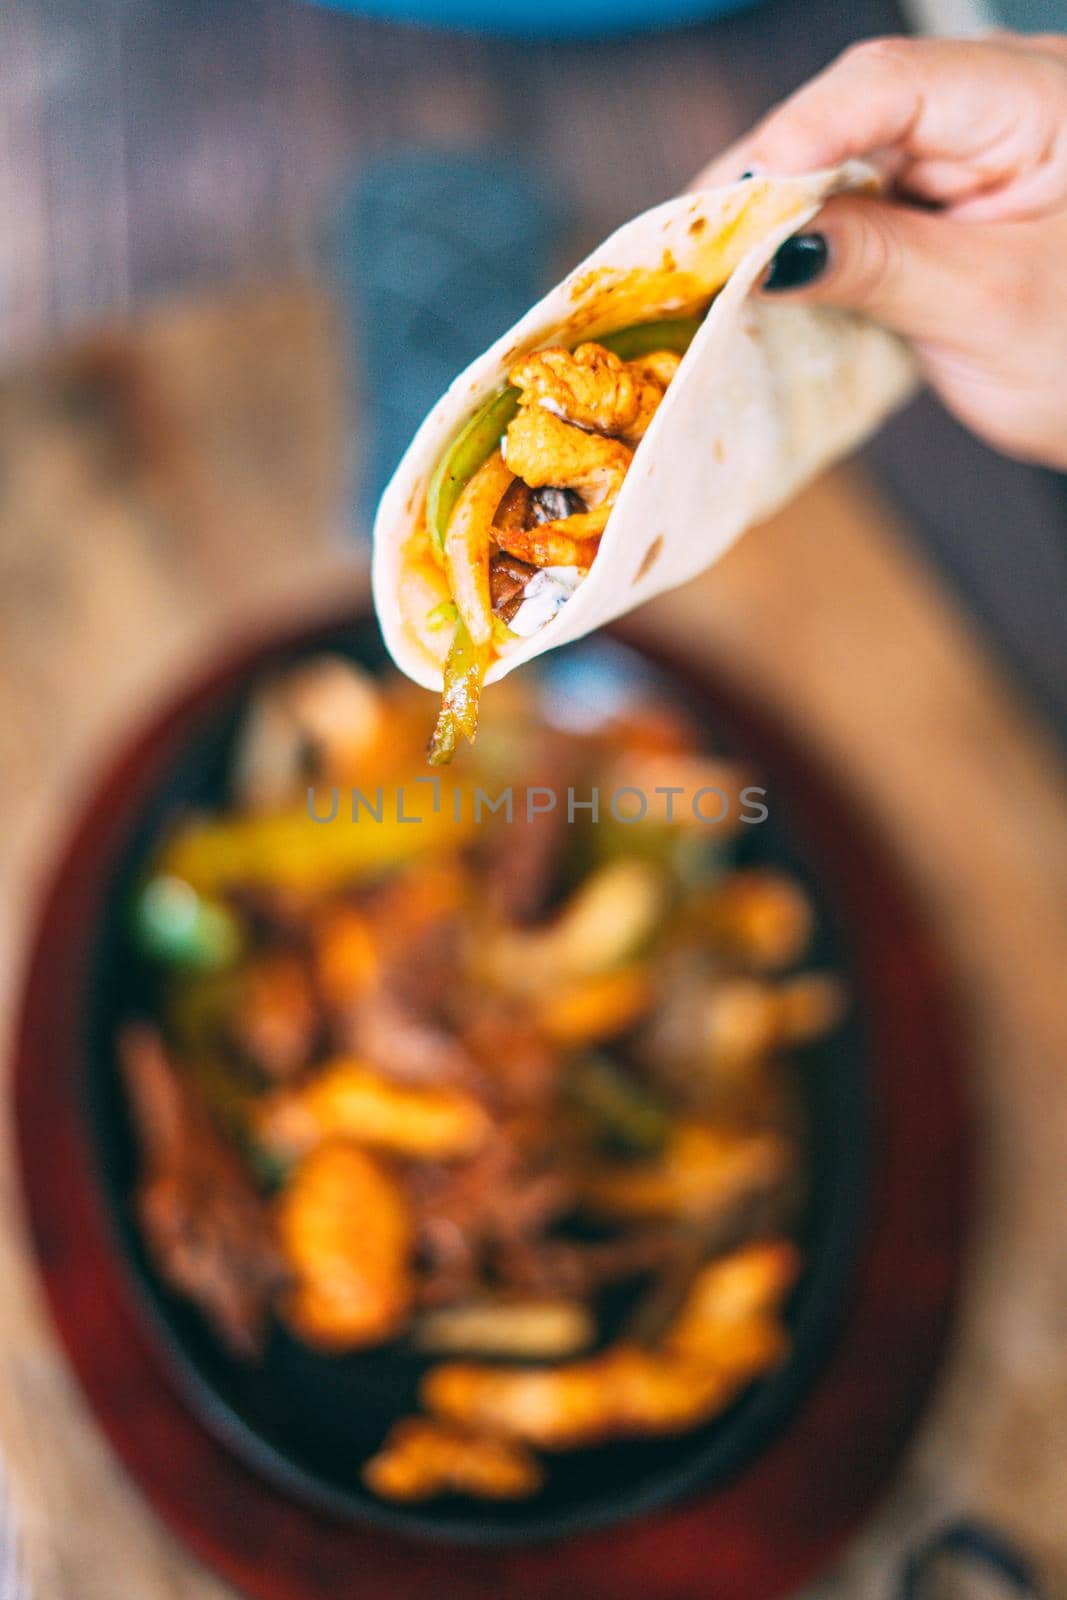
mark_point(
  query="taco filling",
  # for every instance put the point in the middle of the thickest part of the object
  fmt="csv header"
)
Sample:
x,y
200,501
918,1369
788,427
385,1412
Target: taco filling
x,y
517,506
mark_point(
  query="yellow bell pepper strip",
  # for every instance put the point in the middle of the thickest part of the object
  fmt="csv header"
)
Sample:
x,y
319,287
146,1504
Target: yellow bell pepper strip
x,y
458,718
609,919
289,850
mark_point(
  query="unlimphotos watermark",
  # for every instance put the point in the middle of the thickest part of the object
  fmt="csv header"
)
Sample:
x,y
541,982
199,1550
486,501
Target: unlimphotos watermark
x,y
709,805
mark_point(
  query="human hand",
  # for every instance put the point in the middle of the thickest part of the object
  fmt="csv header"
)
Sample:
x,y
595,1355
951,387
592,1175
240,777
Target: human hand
x,y
966,256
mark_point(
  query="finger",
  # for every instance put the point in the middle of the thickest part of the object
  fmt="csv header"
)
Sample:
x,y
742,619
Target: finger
x,y
929,96
982,108
1048,44
728,167
940,183
913,271
812,128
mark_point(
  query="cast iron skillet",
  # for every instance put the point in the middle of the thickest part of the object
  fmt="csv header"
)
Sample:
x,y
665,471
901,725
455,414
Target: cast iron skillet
x,y
309,1421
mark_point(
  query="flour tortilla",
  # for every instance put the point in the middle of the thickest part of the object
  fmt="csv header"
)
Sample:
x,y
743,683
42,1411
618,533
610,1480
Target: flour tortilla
x,y
765,397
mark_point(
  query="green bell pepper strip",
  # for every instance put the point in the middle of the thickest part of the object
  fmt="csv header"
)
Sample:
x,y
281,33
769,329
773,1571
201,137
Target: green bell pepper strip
x,y
443,616
474,445
482,434
624,1113
458,718
176,925
629,344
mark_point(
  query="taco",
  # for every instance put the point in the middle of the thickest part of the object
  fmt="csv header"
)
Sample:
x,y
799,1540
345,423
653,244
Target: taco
x,y
619,438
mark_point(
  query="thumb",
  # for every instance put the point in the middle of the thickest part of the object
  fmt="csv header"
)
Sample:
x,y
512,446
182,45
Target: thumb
x,y
915,271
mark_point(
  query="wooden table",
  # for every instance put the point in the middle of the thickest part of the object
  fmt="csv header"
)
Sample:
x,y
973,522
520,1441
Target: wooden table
x,y
160,490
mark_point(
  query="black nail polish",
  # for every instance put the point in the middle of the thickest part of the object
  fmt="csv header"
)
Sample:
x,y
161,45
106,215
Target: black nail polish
x,y
798,262
749,172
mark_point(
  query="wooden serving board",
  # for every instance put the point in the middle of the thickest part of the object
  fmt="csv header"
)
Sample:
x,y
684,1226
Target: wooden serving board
x,y
164,488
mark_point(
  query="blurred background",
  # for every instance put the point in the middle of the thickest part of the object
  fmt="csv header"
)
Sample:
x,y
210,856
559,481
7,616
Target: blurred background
x,y
244,245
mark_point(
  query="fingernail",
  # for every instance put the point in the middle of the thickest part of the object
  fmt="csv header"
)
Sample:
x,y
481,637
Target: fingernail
x,y
798,262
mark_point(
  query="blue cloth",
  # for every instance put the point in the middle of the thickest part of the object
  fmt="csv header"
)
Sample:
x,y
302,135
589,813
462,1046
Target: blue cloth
x,y
554,19
435,253
13,1584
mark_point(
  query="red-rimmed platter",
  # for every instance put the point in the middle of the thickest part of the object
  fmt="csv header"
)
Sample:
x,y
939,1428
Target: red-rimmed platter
x,y
757,1531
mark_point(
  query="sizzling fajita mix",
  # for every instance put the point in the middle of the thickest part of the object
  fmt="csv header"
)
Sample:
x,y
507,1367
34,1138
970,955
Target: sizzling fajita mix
x,y
516,1098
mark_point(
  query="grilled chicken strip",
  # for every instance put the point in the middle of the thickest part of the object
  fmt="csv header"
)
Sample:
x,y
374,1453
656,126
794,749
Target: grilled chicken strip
x,y
422,1458
592,388
542,449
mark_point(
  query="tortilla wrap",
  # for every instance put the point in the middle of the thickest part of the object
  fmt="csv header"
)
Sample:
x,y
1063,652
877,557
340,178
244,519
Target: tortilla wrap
x,y
766,395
